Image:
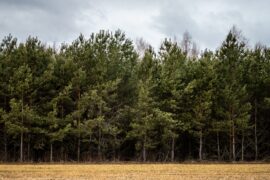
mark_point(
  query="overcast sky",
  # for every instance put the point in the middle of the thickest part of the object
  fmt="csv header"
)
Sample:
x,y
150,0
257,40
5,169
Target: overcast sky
x,y
208,21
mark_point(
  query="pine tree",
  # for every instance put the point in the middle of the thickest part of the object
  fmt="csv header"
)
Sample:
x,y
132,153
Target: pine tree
x,y
143,122
235,105
20,84
201,92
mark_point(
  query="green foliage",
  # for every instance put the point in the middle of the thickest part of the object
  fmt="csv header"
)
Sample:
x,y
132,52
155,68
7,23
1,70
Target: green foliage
x,y
99,99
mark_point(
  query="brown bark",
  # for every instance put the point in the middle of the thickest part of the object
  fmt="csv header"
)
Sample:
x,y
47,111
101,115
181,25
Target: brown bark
x,y
114,149
218,146
21,147
79,128
28,148
144,149
233,141
255,131
51,152
242,144
172,149
5,136
99,143
201,145
21,137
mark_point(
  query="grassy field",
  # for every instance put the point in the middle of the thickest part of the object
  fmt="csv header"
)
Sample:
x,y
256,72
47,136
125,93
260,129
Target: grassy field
x,y
135,171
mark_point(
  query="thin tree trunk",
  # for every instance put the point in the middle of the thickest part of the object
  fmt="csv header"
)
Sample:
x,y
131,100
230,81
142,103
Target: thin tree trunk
x,y
242,144
90,155
99,136
233,141
144,154
14,153
99,143
144,150
172,149
5,136
189,149
5,148
114,149
28,149
78,149
62,118
51,153
201,145
62,152
218,146
230,150
166,157
232,135
255,131
21,139
21,148
79,128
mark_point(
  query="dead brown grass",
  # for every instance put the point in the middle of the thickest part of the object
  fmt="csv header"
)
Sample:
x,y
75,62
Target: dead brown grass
x,y
135,171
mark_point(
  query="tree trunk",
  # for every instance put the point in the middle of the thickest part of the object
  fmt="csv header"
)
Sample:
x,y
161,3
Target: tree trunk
x,y
21,139
51,153
242,144
218,146
5,148
28,149
189,148
79,128
172,150
201,144
232,134
78,149
233,141
144,153
144,149
62,152
14,153
90,155
21,148
99,135
5,136
230,150
114,149
99,143
62,118
255,131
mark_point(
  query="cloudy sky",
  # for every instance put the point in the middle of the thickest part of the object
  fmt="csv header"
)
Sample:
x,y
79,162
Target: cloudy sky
x,y
208,21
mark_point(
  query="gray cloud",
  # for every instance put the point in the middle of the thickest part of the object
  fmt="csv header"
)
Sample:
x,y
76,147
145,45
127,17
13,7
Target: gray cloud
x,y
49,20
208,21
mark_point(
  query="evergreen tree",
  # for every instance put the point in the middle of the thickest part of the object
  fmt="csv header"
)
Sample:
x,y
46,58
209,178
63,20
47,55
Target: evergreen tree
x,y
235,105
20,84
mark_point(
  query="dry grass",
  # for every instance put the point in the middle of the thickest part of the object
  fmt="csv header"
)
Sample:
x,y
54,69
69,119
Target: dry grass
x,y
136,171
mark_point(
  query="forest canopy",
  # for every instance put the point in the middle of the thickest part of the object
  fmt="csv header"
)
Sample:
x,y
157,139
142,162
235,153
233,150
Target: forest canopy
x,y
104,98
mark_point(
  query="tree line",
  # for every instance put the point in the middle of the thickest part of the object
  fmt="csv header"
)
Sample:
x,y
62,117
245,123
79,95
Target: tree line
x,y
102,99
